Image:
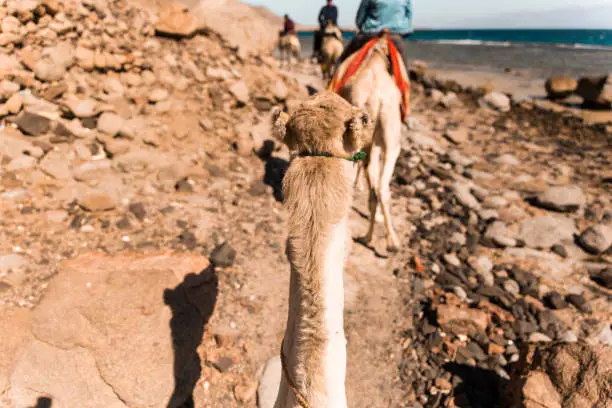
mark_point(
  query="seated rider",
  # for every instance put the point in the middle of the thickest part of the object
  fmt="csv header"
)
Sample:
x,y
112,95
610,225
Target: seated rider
x,y
328,13
374,16
288,26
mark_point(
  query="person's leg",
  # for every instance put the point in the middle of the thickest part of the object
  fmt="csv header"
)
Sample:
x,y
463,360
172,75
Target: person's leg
x,y
399,43
356,43
318,39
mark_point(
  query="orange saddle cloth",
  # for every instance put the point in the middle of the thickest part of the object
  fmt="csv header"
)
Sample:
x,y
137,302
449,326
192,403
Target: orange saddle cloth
x,y
359,59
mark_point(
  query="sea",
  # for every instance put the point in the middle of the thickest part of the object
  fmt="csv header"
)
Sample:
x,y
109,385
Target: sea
x,y
537,53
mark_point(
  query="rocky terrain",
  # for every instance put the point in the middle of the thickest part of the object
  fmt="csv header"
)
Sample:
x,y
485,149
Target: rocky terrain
x,y
142,235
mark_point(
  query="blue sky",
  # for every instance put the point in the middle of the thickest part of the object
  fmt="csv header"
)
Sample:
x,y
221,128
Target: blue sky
x,y
429,13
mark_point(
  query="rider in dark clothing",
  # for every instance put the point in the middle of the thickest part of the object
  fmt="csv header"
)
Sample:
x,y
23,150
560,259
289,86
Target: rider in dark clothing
x,y
327,13
288,26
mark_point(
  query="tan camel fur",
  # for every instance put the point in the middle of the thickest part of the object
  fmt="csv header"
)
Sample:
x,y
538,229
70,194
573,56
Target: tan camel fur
x,y
318,194
331,49
289,46
374,90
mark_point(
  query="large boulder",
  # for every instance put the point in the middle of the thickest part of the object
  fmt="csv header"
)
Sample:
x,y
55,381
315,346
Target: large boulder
x,y
112,331
560,87
496,101
241,25
596,90
175,20
562,375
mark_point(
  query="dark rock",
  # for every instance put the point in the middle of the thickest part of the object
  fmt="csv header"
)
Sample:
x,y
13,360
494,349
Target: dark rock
x,y
184,186
554,300
124,223
560,250
476,352
188,239
33,124
604,278
223,364
139,211
223,255
580,303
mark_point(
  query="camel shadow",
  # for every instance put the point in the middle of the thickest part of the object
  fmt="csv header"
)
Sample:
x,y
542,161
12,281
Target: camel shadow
x,y
192,303
275,169
479,388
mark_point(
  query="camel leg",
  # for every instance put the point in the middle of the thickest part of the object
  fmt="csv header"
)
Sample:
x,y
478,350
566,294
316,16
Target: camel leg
x,y
373,178
392,152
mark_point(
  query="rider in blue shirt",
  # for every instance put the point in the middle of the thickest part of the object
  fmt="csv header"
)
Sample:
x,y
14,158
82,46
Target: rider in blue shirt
x,y
375,16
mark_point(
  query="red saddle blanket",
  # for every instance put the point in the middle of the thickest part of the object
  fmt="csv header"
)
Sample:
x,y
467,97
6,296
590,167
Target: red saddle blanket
x,y
359,59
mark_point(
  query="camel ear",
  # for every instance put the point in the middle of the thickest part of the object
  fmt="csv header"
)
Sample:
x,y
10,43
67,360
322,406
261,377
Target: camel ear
x,y
279,123
356,130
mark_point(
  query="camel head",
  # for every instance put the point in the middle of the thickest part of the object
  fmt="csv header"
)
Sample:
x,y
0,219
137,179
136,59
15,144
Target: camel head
x,y
324,123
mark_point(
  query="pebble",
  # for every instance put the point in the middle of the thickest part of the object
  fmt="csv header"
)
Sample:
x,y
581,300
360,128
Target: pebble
x,y
110,123
512,287
562,198
568,337
452,259
507,159
580,303
539,338
554,300
604,278
223,255
158,95
458,239
597,239
460,293
11,261
33,124
97,201
139,211
483,266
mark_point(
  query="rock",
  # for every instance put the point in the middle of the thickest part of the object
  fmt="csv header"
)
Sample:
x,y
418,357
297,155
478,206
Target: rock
x,y
82,108
562,198
139,210
57,165
279,90
11,261
546,230
596,90
560,375
507,160
245,391
32,123
596,239
496,101
127,314
580,303
464,195
158,95
462,320
539,338
457,136
460,293
555,301
92,170
175,20
14,104
560,87
53,63
483,267
56,216
604,278
240,92
113,86
97,201
21,163
452,259
110,123
512,287
568,337
269,383
8,89
223,255
85,58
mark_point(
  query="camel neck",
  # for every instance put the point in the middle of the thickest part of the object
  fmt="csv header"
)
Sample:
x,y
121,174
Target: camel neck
x,y
315,345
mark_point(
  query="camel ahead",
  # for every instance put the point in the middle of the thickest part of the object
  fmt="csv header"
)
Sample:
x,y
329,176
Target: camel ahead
x,y
288,47
375,90
331,49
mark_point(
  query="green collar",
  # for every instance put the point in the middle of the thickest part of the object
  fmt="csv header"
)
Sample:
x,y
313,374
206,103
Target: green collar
x,y
357,157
